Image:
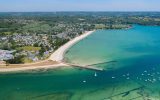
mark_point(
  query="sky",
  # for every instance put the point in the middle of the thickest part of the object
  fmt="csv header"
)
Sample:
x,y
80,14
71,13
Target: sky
x,y
78,5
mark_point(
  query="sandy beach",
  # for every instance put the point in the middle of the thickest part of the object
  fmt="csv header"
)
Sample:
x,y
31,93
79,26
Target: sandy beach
x,y
54,61
58,55
17,69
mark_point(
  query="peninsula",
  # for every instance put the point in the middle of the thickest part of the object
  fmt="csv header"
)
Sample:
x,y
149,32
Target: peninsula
x,y
54,61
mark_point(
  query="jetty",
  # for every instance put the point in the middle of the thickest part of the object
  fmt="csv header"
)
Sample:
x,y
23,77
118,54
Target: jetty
x,y
106,62
86,67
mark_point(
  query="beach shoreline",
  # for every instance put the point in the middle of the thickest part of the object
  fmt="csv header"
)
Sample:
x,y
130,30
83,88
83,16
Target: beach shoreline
x,y
54,61
58,55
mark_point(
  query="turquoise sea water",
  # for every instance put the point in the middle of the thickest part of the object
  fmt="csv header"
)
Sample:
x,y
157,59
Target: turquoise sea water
x,y
131,59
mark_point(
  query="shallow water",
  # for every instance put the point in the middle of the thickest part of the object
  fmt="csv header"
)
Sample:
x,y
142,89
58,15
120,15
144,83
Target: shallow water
x,y
131,59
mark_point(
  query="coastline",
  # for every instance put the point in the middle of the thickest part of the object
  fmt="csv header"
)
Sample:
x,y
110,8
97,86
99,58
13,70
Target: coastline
x,y
55,60
17,69
58,55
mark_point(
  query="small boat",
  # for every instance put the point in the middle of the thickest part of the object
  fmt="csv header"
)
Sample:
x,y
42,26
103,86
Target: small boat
x,y
95,74
113,77
84,81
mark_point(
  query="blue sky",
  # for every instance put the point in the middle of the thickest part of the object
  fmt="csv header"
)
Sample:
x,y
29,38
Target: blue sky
x,y
79,5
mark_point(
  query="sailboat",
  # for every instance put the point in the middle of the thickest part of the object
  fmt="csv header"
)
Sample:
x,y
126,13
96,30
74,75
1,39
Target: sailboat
x,y
95,74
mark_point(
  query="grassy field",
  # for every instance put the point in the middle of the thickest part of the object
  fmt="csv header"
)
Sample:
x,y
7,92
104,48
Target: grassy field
x,y
30,48
37,27
27,60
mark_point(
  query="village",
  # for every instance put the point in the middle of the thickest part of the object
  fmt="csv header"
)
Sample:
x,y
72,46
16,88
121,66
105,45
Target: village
x,y
32,45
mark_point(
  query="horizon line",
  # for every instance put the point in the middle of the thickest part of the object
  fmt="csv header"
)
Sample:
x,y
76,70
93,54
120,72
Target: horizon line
x,y
69,11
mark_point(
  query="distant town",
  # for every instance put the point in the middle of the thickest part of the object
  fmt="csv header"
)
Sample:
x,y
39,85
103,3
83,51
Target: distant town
x,y
32,37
